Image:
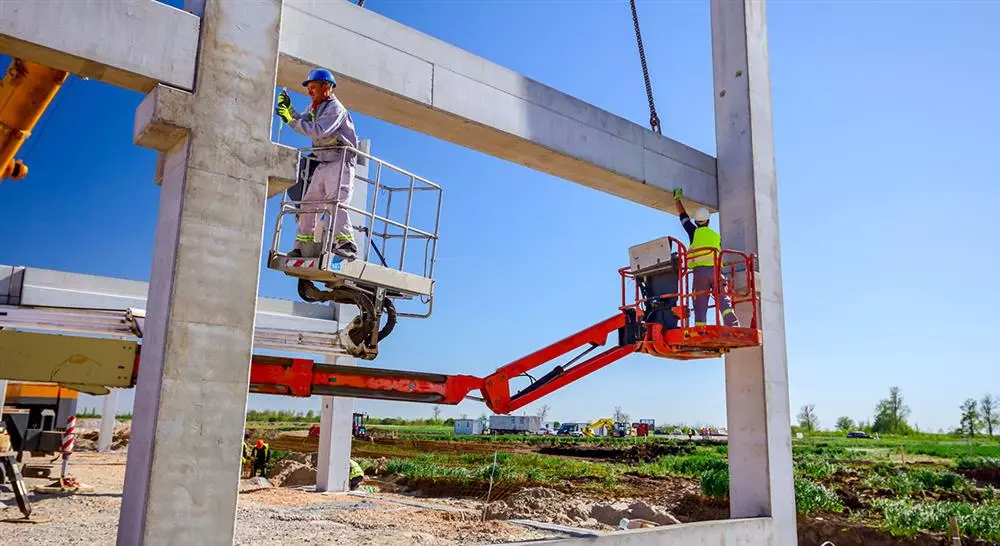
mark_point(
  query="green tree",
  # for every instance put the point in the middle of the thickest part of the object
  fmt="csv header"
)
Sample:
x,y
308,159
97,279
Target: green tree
x,y
970,418
988,410
845,424
891,414
807,418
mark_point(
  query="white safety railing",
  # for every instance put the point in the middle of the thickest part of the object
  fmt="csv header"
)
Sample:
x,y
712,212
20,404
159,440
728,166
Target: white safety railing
x,y
380,229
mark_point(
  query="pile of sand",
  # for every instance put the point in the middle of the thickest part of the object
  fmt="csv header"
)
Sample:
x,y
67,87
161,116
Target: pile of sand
x,y
551,506
291,473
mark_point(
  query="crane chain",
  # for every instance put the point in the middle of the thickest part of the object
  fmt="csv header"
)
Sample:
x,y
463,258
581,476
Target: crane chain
x,y
654,120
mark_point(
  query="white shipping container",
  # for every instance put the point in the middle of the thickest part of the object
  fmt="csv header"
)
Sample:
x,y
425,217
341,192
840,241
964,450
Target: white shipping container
x,y
468,426
515,423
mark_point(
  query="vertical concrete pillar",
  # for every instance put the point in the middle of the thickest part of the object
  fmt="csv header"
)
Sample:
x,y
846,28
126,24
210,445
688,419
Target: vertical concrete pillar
x,y
335,438
336,418
109,409
760,451
183,468
3,394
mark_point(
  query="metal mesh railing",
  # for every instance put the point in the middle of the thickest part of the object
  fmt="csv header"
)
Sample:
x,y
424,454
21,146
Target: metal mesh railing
x,y
386,239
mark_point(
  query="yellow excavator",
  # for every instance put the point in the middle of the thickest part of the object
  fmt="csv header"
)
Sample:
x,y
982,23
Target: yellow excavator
x,y
26,91
613,429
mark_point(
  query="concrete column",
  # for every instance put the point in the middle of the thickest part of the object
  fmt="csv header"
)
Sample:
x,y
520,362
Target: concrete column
x,y
336,418
3,394
760,451
183,468
335,438
108,411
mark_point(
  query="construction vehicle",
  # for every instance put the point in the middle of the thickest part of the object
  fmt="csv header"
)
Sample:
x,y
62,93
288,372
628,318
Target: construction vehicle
x,y
26,91
655,321
358,427
35,416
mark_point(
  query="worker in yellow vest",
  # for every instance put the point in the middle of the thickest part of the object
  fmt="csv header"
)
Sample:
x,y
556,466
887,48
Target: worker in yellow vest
x,y
701,261
357,475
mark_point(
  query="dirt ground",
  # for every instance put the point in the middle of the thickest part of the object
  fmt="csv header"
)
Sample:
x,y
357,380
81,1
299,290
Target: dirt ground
x,y
265,516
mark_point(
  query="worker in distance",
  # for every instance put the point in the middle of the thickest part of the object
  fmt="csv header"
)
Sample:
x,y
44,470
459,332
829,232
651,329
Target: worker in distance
x,y
327,123
701,262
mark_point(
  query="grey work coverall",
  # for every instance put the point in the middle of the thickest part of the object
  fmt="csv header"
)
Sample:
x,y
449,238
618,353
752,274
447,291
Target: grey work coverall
x,y
328,124
703,280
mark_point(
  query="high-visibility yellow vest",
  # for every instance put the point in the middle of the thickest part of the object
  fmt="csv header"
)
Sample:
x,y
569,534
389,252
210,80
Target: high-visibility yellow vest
x,y
700,253
356,470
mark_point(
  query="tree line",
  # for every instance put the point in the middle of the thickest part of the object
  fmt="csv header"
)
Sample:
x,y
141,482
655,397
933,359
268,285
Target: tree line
x,y
892,417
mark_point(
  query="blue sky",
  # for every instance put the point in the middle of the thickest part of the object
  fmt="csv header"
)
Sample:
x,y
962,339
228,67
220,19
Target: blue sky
x,y
885,157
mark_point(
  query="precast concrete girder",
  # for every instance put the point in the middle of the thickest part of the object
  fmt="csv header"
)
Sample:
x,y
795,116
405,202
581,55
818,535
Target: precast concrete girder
x,y
134,44
386,70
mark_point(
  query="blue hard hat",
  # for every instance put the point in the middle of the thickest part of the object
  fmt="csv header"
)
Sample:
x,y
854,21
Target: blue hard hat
x,y
321,75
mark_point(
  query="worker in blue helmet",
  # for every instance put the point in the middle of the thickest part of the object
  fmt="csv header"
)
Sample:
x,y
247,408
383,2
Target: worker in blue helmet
x,y
328,123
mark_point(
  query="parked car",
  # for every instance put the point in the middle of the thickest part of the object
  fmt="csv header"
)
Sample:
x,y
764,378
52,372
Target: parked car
x,y
858,434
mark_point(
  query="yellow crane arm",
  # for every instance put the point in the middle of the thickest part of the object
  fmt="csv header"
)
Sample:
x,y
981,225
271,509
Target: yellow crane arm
x,y
26,91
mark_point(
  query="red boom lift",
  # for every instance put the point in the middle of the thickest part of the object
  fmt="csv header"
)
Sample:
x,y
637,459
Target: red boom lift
x,y
656,322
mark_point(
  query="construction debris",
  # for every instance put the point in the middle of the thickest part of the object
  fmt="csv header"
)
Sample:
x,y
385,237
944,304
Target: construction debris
x,y
551,506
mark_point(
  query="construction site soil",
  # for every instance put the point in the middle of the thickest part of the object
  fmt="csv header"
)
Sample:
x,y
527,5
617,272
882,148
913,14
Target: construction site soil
x,y
397,510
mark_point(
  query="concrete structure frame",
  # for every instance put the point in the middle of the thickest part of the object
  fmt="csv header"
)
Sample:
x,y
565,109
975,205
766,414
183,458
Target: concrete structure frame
x,y
203,69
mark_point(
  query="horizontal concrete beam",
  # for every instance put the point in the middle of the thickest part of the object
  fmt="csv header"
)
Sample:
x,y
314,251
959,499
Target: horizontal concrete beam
x,y
45,288
390,71
129,43
733,532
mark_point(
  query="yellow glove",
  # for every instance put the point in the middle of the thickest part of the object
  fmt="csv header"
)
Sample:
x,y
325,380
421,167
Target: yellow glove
x,y
678,193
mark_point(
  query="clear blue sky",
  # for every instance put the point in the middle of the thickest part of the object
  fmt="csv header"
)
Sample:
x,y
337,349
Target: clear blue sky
x,y
886,158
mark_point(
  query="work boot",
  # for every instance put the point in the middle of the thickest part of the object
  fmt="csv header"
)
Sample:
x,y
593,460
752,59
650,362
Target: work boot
x,y
346,249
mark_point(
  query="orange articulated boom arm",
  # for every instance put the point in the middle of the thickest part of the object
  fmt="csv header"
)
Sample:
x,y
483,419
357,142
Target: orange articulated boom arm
x,y
26,91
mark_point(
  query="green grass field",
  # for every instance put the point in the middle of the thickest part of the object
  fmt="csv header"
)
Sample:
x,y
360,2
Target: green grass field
x,y
863,480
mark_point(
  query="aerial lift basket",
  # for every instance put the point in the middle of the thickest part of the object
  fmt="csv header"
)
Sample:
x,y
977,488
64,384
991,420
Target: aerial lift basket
x,y
381,272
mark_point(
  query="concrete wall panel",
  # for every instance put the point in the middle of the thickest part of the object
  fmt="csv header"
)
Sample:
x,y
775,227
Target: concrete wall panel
x,y
128,43
738,532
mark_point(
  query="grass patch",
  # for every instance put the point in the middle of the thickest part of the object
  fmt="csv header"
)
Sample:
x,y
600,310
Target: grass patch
x,y
814,467
905,519
811,497
715,483
911,482
975,463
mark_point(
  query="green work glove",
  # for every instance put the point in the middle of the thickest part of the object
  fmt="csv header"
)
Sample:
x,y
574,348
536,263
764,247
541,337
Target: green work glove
x,y
284,99
678,193
284,112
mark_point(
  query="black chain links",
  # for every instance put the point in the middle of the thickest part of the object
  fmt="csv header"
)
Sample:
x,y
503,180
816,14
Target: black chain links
x,y
654,120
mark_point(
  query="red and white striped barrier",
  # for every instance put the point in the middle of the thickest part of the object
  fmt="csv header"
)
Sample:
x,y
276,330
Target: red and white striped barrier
x,y
68,439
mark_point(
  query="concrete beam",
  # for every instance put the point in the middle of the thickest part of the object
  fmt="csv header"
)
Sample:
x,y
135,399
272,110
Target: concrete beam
x,y
759,420
133,44
398,74
736,532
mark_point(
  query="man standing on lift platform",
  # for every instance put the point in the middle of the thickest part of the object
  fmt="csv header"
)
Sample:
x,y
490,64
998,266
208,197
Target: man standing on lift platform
x,y
701,261
327,123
